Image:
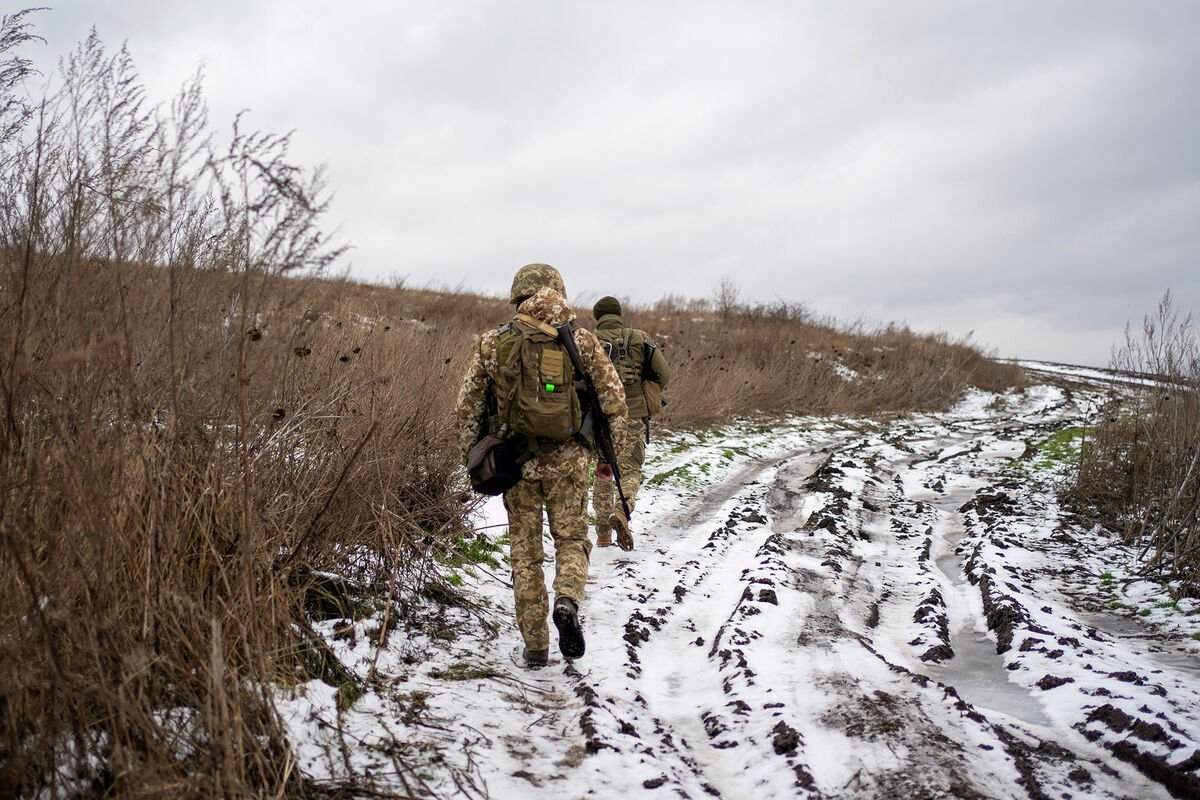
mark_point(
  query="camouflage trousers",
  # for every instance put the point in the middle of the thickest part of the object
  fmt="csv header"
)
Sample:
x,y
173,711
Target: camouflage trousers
x,y
629,460
565,499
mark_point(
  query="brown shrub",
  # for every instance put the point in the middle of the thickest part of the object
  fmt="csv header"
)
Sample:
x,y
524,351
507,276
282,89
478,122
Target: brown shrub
x,y
775,360
1139,470
190,440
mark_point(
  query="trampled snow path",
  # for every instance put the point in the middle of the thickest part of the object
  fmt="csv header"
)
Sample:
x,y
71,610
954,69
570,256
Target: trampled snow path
x,y
813,610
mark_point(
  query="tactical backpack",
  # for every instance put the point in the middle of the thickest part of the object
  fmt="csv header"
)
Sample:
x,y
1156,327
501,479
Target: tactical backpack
x,y
536,396
630,353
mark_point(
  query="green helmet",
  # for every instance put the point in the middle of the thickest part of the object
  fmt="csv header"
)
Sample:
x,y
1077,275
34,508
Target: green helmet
x,y
532,277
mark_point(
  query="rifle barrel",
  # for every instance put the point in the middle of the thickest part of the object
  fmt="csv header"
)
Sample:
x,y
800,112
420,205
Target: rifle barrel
x,y
603,430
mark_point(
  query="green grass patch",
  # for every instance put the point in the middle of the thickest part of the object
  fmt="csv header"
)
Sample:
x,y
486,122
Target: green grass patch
x,y
683,475
476,549
1061,449
473,548
679,447
464,671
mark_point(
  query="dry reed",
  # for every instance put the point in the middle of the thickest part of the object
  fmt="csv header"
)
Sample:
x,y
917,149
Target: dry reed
x,y
192,435
1139,469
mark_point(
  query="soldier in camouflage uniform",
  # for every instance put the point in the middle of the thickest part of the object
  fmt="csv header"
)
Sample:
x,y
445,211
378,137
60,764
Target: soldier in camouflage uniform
x,y
638,362
556,481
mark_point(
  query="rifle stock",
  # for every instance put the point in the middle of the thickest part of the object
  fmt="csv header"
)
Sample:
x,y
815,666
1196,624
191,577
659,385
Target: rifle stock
x,y
593,415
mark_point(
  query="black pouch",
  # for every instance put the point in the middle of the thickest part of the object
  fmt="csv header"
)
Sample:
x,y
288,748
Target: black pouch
x,y
492,466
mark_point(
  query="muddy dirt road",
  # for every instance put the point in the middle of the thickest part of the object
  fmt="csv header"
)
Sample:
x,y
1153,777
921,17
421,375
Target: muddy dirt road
x,y
835,608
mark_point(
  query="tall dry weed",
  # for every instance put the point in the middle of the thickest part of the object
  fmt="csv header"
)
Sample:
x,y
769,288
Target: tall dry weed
x,y
776,359
194,433
1139,470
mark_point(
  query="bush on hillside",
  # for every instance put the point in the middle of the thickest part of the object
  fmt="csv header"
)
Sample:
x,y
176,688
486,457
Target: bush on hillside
x,y
194,434
1139,470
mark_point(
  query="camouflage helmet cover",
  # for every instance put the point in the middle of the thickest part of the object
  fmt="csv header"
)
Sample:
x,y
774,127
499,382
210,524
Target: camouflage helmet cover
x,y
532,277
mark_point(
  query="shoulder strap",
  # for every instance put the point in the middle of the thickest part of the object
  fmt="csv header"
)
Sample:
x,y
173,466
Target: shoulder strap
x,y
545,328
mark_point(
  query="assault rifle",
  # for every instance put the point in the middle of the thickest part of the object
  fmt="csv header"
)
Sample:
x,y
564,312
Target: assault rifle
x,y
593,416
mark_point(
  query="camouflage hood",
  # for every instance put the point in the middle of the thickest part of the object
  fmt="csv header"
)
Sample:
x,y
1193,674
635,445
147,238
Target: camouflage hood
x,y
548,306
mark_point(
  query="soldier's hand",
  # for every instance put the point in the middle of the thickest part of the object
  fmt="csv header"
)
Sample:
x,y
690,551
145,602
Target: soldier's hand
x,y
603,471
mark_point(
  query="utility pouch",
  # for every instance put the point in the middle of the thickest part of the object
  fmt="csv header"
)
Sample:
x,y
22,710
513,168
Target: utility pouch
x,y
493,466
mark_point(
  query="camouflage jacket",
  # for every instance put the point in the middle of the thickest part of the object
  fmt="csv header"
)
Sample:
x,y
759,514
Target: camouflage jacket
x,y
551,307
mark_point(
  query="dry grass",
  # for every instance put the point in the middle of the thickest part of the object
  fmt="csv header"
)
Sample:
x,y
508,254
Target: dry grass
x,y
196,426
191,433
775,360
1139,470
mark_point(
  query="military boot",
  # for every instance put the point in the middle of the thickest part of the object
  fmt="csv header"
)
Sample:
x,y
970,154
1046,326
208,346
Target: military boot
x,y
603,537
570,635
536,659
621,525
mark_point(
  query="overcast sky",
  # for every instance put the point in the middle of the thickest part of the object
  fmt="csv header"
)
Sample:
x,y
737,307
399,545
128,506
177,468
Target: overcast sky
x,y
1026,171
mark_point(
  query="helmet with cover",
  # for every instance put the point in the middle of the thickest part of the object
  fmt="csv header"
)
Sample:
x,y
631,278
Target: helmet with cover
x,y
532,277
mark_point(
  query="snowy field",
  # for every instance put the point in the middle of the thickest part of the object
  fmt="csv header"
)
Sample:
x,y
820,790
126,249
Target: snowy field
x,y
824,608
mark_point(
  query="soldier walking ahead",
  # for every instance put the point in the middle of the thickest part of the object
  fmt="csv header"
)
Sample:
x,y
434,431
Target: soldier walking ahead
x,y
644,373
495,400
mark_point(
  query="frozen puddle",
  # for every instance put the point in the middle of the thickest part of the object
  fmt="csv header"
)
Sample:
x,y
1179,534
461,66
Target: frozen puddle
x,y
976,671
1131,630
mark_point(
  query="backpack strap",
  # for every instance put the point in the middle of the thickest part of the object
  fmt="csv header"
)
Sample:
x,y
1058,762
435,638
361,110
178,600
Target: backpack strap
x,y
545,328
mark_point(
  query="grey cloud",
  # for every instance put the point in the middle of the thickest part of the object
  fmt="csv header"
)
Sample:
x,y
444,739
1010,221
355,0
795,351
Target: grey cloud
x,y
934,162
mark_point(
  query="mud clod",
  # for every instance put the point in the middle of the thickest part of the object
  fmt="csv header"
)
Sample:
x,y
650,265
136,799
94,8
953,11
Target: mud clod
x,y
873,616
938,653
1003,613
1128,676
1080,775
786,739
712,724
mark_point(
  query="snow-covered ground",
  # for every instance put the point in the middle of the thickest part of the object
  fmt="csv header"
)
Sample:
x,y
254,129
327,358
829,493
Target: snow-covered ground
x,y
823,608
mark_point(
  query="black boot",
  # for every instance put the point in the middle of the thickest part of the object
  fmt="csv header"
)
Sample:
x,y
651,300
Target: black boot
x,y
570,635
536,659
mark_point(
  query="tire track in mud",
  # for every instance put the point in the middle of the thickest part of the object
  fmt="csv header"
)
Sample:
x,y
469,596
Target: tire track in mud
x,y
682,604
762,656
